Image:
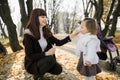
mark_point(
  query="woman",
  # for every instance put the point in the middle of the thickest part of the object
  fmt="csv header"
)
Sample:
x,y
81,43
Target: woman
x,y
38,42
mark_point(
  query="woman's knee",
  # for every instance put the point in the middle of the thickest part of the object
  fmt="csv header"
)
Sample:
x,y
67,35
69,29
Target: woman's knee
x,y
51,60
56,69
59,70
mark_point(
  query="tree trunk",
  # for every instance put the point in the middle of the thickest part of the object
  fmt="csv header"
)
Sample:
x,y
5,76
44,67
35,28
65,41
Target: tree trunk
x,y
24,17
3,32
114,21
107,22
11,27
86,13
29,7
99,11
3,50
53,18
45,5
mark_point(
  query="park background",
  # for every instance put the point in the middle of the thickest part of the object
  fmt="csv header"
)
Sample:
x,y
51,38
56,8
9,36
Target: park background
x,y
63,17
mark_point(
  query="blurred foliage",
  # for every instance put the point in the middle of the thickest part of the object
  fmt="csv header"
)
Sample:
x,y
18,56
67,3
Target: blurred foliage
x,y
106,4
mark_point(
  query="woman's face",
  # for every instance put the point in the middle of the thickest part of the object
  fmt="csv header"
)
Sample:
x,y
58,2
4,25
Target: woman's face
x,y
42,21
83,28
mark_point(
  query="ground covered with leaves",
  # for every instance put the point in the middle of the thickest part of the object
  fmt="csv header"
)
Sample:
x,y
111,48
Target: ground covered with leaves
x,y
12,67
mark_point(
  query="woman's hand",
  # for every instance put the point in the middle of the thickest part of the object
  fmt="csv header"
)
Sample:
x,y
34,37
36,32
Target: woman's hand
x,y
88,63
50,52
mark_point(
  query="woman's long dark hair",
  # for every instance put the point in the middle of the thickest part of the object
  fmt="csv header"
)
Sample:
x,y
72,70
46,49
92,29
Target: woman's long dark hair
x,y
33,24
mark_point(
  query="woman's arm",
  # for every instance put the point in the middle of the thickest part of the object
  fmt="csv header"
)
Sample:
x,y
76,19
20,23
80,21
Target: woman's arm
x,y
59,42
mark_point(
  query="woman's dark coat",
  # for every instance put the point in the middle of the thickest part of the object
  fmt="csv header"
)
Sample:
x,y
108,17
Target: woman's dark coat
x,y
33,51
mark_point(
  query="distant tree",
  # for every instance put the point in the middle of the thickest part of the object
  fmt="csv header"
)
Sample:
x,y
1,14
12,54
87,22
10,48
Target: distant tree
x,y
108,19
103,8
45,3
71,29
24,16
86,7
11,27
53,17
68,21
114,20
29,6
52,8
98,11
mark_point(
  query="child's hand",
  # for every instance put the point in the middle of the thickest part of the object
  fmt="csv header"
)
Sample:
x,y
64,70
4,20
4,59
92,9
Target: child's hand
x,y
88,63
74,34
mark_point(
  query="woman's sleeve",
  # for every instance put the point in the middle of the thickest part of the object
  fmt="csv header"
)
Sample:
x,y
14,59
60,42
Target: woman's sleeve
x,y
59,42
29,49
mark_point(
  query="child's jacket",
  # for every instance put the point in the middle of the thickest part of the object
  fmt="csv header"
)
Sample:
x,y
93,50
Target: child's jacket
x,y
88,44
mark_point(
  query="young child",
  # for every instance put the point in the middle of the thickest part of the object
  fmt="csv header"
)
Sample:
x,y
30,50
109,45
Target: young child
x,y
87,47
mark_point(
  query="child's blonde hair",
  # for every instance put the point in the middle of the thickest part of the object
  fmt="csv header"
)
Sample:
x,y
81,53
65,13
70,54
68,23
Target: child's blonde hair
x,y
91,25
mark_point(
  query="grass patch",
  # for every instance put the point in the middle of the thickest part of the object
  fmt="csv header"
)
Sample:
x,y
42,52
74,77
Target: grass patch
x,y
117,31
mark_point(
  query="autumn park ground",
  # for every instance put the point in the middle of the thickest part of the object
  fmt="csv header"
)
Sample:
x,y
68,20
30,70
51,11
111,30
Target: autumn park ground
x,y
12,67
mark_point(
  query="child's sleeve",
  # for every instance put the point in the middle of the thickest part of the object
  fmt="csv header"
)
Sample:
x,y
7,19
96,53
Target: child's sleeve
x,y
78,46
92,51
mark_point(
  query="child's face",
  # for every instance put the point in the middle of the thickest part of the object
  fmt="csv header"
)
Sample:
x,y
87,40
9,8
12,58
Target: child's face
x,y
83,28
